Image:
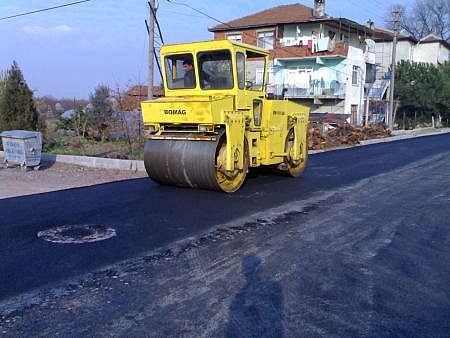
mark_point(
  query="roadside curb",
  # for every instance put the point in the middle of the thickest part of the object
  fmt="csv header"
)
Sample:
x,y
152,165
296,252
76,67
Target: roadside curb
x,y
96,162
93,162
402,135
137,165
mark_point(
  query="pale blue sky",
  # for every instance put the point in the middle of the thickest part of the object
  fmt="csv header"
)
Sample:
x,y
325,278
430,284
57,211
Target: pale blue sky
x,y
67,52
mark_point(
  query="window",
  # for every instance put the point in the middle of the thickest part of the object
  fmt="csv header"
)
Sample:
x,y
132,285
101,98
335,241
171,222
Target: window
x,y
215,70
355,75
371,73
270,73
254,68
299,77
260,76
257,112
235,37
344,37
180,72
240,59
354,112
265,40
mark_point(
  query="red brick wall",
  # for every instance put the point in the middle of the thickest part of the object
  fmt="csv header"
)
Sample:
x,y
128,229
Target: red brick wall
x,y
248,36
219,35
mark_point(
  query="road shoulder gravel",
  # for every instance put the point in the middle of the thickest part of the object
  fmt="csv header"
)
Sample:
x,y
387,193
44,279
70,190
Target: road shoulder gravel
x,y
59,172
52,176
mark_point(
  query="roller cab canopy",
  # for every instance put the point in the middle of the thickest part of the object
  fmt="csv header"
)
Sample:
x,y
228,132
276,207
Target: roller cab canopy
x,y
218,67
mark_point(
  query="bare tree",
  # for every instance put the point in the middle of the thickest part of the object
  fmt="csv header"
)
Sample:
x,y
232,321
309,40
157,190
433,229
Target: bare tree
x,y
423,18
127,104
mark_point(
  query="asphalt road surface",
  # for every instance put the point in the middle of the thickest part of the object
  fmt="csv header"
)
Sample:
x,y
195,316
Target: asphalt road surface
x,y
358,246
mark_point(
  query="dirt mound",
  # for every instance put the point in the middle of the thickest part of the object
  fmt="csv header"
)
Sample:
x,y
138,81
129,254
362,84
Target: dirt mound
x,y
325,135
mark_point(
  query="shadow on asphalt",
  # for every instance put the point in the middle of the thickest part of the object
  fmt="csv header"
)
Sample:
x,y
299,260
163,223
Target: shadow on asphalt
x,y
257,310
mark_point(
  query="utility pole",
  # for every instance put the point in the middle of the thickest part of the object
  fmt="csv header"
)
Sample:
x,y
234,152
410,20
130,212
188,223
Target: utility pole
x,y
151,48
396,21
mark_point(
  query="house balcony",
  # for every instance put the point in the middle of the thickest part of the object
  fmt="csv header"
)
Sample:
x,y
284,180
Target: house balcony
x,y
340,49
316,90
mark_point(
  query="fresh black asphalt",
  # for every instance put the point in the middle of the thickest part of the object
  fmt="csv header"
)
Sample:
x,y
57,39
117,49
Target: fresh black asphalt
x,y
147,216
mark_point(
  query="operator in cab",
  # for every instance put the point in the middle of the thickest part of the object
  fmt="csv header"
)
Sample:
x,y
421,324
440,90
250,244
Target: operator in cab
x,y
189,74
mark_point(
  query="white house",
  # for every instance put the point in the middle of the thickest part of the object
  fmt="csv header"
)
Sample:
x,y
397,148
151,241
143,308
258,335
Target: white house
x,y
316,59
430,49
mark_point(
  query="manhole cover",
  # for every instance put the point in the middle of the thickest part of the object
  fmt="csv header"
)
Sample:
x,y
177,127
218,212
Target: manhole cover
x,y
77,233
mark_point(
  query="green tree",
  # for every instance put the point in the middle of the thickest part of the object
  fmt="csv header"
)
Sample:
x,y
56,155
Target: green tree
x,y
100,113
446,92
17,109
77,122
423,90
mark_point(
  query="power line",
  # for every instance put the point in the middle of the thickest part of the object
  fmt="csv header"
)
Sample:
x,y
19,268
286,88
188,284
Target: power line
x,y
44,9
198,11
179,13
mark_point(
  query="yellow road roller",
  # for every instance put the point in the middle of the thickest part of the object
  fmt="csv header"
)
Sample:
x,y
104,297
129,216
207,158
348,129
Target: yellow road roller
x,y
216,120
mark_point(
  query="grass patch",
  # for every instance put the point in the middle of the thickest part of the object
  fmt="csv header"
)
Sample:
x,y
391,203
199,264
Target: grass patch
x,y
66,145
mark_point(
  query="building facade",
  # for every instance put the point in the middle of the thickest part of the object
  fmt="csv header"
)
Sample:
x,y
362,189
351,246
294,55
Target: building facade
x,y
430,49
321,61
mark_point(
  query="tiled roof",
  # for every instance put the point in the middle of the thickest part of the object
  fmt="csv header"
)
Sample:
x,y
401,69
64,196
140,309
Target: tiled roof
x,y
293,13
387,34
383,34
285,14
430,38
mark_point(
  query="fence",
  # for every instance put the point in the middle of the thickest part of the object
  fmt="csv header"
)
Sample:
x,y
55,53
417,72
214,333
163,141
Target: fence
x,y
331,89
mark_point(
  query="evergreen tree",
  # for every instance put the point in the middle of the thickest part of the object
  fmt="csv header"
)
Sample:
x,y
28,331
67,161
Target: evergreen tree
x,y
100,112
423,90
446,92
17,109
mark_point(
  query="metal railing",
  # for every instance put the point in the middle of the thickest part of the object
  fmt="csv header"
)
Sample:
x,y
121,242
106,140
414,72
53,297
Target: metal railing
x,y
379,87
317,88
